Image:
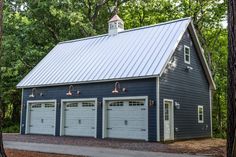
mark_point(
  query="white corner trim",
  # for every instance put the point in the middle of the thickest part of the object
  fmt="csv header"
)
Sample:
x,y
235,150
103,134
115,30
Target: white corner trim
x,y
210,97
76,100
21,109
158,107
104,111
39,101
172,119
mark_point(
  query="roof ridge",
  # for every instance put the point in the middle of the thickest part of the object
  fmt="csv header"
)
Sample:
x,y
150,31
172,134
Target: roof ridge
x,y
128,30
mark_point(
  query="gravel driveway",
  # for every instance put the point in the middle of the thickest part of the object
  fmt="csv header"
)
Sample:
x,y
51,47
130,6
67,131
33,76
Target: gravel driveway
x,y
123,144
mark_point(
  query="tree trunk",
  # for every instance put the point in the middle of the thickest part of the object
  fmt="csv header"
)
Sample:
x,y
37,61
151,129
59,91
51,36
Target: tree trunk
x,y
2,151
231,139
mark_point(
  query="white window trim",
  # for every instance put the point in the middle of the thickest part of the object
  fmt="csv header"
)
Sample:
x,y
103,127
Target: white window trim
x,y
28,110
104,111
79,100
172,119
187,62
198,108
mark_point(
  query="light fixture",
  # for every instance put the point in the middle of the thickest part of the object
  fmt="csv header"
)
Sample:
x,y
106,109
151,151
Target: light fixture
x,y
117,88
177,105
33,92
69,93
151,103
188,68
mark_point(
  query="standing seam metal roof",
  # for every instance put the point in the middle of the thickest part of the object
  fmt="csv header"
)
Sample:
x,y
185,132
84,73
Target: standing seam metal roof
x,y
135,53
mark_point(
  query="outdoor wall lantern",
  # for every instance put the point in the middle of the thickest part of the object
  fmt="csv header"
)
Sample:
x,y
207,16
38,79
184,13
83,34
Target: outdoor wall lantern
x,y
177,105
33,92
188,68
69,93
117,88
151,103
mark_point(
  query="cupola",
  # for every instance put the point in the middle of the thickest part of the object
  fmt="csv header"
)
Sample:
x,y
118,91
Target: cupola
x,y
115,25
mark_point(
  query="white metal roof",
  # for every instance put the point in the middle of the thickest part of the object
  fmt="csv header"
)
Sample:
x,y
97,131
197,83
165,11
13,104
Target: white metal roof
x,y
136,53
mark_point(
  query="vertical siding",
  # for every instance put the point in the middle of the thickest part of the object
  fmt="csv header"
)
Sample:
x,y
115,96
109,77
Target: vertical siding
x,y
190,89
141,87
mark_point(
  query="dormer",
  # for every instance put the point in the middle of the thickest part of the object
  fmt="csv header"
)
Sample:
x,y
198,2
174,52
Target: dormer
x,y
115,25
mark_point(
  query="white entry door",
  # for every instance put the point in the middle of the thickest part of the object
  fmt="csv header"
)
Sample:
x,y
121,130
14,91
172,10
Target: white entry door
x,y
126,119
41,118
79,118
168,120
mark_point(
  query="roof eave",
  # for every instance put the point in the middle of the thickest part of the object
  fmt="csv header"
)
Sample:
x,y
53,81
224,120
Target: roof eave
x,y
86,82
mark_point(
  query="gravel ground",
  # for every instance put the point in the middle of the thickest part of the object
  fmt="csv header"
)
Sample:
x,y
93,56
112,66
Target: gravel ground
x,y
215,147
20,153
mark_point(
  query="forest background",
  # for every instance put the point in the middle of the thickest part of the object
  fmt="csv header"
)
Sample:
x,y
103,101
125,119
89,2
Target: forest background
x,y
32,28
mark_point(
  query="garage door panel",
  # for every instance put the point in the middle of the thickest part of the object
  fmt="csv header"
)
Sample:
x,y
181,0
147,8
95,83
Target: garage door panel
x,y
80,123
126,119
41,119
127,123
128,134
80,131
79,118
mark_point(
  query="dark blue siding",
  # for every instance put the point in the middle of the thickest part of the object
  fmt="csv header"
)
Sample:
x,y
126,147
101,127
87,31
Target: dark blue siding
x,y
140,87
190,89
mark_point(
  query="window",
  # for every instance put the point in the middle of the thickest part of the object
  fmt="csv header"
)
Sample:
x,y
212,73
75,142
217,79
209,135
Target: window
x,y
200,114
49,105
136,103
36,106
117,103
166,111
186,54
87,104
71,104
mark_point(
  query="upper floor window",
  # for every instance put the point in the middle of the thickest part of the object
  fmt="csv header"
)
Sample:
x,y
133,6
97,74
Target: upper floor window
x,y
186,54
200,114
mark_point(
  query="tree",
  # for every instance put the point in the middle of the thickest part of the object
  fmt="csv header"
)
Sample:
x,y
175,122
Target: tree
x,y
2,151
231,141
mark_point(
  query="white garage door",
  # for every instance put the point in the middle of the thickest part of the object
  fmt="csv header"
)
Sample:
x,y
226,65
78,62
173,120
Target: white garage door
x,y
127,119
79,118
41,118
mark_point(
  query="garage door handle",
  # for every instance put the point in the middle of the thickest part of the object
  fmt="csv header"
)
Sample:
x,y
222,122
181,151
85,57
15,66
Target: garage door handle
x,y
143,129
109,128
93,109
143,108
92,127
109,109
52,126
30,125
66,127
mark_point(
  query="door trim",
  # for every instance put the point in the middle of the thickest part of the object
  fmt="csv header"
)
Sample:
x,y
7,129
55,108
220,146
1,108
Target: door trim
x,y
63,113
104,111
171,119
28,111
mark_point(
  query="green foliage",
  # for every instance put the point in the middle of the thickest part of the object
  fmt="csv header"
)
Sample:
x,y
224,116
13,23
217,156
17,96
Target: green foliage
x,y
32,28
12,129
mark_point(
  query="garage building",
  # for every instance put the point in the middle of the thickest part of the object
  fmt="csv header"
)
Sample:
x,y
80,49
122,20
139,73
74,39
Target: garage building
x,y
150,83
